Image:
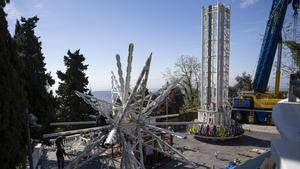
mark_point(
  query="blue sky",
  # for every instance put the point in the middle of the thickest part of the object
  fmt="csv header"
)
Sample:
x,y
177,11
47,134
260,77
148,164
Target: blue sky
x,y
168,28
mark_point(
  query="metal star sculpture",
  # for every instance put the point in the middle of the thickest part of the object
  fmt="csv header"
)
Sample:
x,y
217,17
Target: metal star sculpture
x,y
130,122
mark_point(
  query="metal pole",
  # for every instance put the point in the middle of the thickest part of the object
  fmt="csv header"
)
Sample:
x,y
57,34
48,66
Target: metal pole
x,y
28,139
209,57
277,78
167,110
295,26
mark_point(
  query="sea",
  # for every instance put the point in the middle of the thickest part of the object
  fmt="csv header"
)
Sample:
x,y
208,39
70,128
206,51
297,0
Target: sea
x,y
103,95
106,95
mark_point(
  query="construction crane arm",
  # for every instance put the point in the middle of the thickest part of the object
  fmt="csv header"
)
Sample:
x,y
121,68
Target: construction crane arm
x,y
268,49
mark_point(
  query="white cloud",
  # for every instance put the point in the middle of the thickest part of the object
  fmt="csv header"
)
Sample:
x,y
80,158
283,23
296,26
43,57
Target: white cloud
x,y
12,12
247,3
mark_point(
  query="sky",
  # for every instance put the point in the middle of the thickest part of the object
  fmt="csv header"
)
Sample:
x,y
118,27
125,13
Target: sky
x,y
167,28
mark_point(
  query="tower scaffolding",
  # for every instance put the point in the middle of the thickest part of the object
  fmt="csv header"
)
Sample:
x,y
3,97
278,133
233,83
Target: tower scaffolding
x,y
215,59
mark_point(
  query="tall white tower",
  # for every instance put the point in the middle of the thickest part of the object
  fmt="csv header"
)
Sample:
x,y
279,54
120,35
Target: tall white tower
x,y
215,56
215,63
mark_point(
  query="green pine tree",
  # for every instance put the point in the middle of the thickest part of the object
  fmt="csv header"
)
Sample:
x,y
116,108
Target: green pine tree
x,y
41,101
72,108
12,101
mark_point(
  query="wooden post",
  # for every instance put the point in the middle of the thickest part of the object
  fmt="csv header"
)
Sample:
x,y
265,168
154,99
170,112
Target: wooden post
x,y
28,139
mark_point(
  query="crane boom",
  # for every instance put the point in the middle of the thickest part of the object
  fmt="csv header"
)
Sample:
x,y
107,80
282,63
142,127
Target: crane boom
x,y
256,106
268,49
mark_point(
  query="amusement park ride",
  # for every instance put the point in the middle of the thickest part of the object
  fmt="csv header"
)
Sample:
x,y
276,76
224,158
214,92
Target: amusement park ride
x,y
214,110
128,126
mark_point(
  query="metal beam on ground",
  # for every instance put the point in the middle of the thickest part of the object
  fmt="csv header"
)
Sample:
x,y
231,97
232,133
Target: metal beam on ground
x,y
71,132
164,116
176,134
176,123
72,123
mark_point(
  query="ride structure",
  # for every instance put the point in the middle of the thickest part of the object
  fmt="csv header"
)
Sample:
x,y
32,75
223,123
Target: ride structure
x,y
130,125
215,109
256,106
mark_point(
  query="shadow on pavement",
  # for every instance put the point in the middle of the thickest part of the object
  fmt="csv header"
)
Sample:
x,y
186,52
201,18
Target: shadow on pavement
x,y
244,140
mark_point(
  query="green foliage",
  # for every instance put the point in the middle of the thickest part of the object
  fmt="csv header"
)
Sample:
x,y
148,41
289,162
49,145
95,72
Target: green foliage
x,y
232,91
41,102
295,50
187,68
189,109
175,102
3,3
71,107
12,102
244,83
290,53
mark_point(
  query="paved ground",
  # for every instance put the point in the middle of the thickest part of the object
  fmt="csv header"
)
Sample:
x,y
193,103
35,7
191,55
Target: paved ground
x,y
203,151
260,128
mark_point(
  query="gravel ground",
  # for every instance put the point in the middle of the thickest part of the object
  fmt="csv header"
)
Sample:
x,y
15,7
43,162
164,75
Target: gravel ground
x,y
201,152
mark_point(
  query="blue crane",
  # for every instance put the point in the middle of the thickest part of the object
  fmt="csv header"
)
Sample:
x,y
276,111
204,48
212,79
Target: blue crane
x,y
256,106
271,38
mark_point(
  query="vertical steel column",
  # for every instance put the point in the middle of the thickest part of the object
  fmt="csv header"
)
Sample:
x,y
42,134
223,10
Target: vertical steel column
x,y
215,56
209,56
220,57
202,94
